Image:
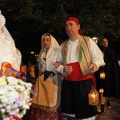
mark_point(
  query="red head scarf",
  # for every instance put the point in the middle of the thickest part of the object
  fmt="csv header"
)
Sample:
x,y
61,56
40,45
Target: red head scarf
x,y
74,19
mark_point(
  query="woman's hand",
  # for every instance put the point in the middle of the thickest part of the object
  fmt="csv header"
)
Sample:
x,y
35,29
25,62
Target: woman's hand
x,y
57,64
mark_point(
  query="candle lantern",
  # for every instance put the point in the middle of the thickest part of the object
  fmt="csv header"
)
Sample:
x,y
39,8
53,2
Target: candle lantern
x,y
102,75
93,97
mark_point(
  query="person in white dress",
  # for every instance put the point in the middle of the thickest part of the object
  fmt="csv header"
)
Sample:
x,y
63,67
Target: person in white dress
x,y
8,51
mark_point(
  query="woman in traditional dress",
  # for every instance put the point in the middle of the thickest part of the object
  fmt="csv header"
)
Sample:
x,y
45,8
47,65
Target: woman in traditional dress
x,y
46,104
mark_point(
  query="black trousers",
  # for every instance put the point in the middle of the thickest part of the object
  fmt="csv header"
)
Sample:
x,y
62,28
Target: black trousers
x,y
74,98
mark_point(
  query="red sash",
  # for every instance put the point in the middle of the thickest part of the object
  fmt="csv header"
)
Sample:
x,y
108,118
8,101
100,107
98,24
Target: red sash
x,y
76,74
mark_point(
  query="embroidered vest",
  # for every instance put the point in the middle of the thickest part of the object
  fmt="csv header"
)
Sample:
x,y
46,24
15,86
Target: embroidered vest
x,y
83,53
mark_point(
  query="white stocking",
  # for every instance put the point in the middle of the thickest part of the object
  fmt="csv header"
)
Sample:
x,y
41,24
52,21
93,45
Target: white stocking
x,y
91,118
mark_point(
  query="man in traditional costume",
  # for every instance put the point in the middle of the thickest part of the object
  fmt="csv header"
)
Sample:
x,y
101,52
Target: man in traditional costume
x,y
81,57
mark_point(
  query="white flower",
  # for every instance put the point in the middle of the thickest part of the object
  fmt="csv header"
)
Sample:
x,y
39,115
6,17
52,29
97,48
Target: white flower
x,y
14,97
2,110
28,85
7,118
12,80
3,81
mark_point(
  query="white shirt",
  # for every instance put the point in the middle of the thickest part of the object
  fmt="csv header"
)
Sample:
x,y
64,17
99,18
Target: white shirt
x,y
96,53
72,46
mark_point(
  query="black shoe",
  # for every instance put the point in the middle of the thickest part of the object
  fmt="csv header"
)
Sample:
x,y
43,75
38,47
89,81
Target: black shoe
x,y
108,104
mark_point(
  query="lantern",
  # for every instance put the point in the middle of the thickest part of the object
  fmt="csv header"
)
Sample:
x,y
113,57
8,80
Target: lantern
x,y
102,75
93,96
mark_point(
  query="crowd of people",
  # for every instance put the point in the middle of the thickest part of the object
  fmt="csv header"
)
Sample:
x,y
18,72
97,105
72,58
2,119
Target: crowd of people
x,y
66,73
29,73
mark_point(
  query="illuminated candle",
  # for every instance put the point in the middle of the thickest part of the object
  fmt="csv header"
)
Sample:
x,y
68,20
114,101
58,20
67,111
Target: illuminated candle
x,y
93,97
102,75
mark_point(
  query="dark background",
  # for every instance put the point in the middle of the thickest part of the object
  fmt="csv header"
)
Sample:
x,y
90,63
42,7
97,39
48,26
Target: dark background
x,y
27,20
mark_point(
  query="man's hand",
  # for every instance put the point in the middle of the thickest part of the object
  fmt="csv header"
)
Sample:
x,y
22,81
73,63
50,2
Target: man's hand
x,y
93,68
68,69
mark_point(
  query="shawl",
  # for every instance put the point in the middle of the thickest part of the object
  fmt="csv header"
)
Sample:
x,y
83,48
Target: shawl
x,y
50,57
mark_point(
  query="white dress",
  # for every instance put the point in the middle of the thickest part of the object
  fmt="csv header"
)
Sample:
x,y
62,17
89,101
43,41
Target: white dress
x,y
8,52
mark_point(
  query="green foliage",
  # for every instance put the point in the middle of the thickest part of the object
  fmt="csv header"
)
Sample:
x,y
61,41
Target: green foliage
x,y
26,17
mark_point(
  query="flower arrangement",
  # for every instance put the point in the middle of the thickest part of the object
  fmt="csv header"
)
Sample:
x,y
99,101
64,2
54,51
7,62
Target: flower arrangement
x,y
14,94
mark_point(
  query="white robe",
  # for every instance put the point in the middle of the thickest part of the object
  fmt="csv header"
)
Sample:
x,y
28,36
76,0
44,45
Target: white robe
x,y
8,52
